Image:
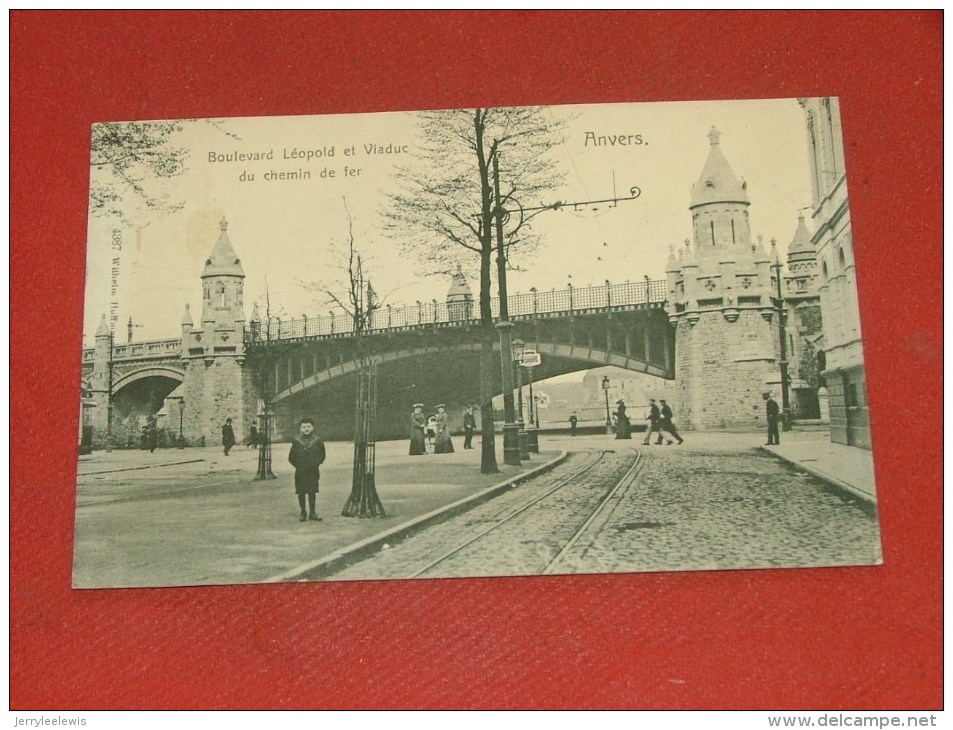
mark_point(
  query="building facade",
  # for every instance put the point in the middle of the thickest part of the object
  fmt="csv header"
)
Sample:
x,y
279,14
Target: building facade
x,y
804,329
843,369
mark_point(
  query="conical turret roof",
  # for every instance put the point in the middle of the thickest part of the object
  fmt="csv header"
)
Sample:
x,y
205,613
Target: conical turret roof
x,y
801,243
223,261
103,329
718,183
459,288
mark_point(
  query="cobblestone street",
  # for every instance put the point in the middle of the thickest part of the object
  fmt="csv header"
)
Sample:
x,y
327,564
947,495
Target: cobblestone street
x,y
718,501
705,509
717,505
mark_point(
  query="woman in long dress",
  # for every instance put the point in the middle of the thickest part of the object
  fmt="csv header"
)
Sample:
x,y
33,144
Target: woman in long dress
x,y
417,423
442,442
623,429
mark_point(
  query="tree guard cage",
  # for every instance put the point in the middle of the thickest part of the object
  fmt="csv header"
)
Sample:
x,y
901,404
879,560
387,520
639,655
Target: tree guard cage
x,y
264,446
364,501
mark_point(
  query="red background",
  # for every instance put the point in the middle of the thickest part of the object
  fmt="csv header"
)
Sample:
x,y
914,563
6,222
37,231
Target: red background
x,y
813,639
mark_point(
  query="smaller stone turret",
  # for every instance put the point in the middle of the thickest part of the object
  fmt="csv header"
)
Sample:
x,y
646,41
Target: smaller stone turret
x,y
802,263
459,297
186,331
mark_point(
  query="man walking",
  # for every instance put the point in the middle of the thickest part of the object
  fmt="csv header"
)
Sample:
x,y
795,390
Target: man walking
x,y
773,413
572,424
654,419
666,424
228,436
469,425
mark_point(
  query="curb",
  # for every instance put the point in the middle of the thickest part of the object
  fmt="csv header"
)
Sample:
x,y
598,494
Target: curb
x,y
837,484
328,565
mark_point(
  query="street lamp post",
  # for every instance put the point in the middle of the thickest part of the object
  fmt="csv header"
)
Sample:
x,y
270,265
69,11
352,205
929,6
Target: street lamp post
x,y
532,433
181,441
782,337
511,448
605,389
521,435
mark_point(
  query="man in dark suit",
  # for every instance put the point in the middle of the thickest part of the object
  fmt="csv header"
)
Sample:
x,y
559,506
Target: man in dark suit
x,y
469,425
773,413
654,419
666,423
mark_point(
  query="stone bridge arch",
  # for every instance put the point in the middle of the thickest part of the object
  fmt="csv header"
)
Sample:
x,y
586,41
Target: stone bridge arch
x,y
142,373
138,395
317,377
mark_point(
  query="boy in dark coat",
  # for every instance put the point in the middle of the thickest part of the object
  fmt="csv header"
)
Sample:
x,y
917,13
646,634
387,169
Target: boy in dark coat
x,y
307,455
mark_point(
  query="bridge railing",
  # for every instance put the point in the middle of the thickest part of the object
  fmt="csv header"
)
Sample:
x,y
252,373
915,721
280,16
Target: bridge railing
x,y
532,303
144,349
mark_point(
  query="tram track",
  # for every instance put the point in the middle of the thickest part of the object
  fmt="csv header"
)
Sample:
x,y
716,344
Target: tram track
x,y
620,486
531,530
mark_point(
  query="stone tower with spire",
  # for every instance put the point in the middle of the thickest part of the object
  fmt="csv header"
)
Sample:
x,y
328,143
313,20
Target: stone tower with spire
x,y
460,297
100,384
216,386
720,302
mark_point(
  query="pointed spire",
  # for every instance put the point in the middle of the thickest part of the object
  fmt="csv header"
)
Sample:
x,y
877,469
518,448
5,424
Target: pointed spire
x,y
103,329
760,254
801,243
459,287
187,317
672,264
223,261
717,183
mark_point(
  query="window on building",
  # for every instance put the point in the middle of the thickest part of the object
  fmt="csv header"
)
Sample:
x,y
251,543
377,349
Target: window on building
x,y
851,395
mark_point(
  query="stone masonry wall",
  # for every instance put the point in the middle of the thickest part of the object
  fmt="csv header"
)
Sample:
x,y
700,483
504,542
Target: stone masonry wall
x,y
213,393
722,369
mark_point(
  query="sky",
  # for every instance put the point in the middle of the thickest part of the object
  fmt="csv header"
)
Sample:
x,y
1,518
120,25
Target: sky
x,y
290,233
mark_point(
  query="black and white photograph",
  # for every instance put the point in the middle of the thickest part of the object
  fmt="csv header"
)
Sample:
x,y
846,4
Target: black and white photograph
x,y
482,342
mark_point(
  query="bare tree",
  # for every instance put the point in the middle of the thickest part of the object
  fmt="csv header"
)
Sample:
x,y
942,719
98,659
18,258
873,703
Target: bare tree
x,y
127,159
360,302
263,350
447,196
128,156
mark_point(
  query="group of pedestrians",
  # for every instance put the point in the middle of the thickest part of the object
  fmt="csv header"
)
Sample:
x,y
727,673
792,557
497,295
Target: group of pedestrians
x,y
308,452
433,431
659,418
660,421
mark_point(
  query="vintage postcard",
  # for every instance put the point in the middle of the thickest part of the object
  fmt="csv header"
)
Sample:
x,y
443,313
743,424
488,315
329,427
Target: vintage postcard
x,y
469,343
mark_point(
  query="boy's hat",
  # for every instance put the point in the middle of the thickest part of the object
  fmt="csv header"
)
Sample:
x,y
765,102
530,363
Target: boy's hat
x,y
418,405
441,405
